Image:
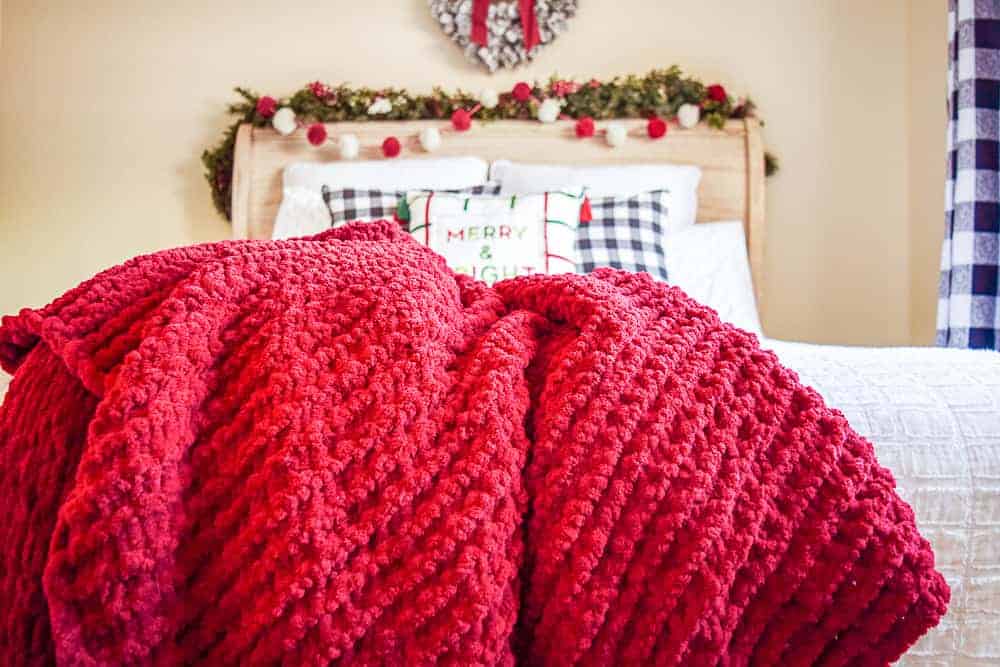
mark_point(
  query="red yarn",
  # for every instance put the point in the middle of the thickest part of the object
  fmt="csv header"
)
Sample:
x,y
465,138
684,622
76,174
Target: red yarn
x,y
266,106
585,127
391,147
656,127
335,450
316,134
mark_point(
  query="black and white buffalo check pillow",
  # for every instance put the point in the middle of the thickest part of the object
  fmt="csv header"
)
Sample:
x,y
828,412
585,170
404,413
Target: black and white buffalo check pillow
x,y
625,233
347,205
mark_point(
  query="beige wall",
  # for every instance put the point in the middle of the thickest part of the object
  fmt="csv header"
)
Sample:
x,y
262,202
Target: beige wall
x,y
105,106
928,115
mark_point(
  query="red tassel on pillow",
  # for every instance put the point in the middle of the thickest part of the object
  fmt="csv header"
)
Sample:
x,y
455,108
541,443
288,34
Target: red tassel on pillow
x,y
585,213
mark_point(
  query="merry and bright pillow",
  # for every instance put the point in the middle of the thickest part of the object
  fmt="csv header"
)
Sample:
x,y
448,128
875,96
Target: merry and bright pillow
x,y
491,238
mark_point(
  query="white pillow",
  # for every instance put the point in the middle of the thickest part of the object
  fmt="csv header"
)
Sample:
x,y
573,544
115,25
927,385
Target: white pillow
x,y
681,181
709,262
494,237
303,211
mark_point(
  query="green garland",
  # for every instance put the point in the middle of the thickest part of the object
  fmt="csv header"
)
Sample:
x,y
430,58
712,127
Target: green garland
x,y
660,92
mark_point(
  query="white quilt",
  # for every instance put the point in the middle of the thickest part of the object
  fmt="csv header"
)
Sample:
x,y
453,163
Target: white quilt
x,y
934,418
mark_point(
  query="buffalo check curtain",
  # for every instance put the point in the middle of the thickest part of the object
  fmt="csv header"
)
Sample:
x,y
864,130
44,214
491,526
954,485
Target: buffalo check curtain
x,y
968,301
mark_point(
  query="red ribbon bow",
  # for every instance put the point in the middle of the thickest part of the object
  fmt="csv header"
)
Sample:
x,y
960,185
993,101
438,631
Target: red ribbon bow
x,y
481,10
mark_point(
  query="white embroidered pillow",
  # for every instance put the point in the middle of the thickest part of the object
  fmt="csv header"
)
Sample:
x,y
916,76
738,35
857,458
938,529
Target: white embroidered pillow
x,y
491,238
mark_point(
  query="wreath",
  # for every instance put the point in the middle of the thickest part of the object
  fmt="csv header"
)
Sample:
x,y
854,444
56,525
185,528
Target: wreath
x,y
502,34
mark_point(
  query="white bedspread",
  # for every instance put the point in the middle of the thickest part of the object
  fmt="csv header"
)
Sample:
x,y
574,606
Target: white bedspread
x,y
933,416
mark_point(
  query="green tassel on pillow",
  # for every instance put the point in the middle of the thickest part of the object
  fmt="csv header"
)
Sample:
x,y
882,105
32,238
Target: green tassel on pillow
x,y
403,210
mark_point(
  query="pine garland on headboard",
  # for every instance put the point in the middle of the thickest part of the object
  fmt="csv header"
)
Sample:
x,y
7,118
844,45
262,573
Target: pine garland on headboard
x,y
661,93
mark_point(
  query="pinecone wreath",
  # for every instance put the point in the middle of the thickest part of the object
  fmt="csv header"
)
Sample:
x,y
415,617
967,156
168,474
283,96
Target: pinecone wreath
x,y
502,34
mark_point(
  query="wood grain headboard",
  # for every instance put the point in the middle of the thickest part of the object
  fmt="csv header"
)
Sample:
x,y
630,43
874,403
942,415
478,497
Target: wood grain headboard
x,y
731,159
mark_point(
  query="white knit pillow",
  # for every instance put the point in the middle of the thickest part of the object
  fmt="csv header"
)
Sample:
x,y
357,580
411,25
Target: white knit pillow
x,y
493,237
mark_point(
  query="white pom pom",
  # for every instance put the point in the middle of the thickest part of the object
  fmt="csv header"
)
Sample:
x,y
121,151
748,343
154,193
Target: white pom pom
x,y
380,105
349,146
688,115
284,121
430,139
548,110
615,134
489,98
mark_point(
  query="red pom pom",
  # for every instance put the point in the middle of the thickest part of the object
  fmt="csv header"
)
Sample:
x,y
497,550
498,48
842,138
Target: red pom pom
x,y
266,106
391,147
585,127
717,93
461,120
521,92
316,134
656,127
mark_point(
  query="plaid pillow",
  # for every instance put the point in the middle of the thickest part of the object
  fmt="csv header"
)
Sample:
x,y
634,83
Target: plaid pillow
x,y
625,233
348,204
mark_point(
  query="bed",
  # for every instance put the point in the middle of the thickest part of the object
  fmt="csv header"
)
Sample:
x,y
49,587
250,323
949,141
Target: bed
x,y
934,418
933,415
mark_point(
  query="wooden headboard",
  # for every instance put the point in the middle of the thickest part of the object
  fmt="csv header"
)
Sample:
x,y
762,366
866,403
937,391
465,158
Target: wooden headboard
x,y
731,159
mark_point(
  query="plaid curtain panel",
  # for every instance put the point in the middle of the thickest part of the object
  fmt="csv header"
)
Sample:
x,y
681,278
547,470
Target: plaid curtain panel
x,y
625,233
968,312
347,204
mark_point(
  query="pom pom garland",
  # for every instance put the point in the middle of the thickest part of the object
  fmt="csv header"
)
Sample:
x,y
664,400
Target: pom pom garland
x,y
350,147
489,98
461,120
688,115
266,106
521,92
391,147
316,134
717,93
656,127
430,139
615,134
666,93
585,127
548,110
284,121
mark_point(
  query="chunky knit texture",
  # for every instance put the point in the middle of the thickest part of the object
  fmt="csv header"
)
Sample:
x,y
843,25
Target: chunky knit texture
x,y
335,450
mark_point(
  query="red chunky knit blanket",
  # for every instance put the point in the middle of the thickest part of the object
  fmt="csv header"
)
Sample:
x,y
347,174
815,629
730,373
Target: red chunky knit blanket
x,y
334,450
